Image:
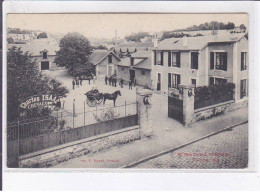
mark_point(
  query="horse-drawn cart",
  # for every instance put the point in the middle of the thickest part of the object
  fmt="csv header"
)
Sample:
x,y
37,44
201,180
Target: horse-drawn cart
x,y
94,97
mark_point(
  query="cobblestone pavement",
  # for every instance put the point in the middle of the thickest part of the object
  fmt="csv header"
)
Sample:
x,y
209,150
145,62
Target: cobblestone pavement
x,y
226,150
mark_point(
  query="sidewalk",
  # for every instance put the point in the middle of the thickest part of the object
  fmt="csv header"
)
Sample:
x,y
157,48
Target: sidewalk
x,y
168,134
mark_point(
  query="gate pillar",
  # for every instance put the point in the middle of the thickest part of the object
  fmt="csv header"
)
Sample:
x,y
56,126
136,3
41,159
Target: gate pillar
x,y
143,97
187,92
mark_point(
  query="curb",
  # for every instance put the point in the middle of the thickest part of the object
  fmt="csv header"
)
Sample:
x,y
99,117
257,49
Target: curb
x,y
181,146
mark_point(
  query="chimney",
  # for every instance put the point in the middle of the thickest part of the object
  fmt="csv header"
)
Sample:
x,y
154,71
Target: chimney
x,y
185,41
155,41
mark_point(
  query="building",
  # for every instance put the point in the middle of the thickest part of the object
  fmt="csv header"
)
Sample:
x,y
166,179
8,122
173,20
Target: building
x,y
137,67
104,61
202,61
42,50
126,49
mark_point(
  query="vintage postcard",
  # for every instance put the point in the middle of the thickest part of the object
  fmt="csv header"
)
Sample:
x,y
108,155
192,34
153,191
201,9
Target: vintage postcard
x,y
127,90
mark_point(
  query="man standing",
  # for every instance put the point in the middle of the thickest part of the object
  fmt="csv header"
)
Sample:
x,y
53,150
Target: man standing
x,y
121,82
130,84
73,84
80,80
115,81
77,82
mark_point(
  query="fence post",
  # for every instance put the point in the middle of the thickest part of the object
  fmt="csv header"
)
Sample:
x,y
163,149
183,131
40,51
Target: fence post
x,y
73,111
84,112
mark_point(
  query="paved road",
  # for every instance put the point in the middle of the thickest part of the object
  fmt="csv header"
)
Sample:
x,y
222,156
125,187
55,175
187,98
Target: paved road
x,y
227,150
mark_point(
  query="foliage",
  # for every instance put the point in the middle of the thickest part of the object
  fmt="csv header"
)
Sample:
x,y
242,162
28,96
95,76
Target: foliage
x,y
210,26
242,27
106,116
10,40
100,47
42,35
214,94
136,37
24,80
19,31
74,51
177,35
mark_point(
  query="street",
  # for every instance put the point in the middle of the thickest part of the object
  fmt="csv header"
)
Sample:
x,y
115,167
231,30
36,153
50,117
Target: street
x,y
226,150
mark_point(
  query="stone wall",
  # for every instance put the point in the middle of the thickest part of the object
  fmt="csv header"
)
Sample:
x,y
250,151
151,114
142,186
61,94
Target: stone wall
x,y
53,156
211,111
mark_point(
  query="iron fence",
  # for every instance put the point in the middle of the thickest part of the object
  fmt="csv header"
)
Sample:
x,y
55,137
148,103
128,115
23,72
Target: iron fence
x,y
65,120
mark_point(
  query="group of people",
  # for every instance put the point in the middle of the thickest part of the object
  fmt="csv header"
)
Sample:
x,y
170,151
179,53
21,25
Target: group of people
x,y
112,81
77,82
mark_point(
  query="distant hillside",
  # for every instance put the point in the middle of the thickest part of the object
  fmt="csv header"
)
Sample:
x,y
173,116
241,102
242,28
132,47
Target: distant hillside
x,y
209,26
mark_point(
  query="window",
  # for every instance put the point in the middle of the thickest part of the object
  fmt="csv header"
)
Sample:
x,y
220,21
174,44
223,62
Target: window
x,y
173,80
243,88
174,59
243,61
158,58
44,55
193,81
194,60
213,80
123,69
218,60
109,58
143,72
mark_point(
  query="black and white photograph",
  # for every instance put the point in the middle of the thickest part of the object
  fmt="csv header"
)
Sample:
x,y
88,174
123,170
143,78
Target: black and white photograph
x,y
127,91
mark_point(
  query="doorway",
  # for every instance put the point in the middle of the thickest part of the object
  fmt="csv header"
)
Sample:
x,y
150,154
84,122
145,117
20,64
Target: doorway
x,y
132,74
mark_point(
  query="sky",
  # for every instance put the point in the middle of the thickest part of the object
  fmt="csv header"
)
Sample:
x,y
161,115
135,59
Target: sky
x,y
104,25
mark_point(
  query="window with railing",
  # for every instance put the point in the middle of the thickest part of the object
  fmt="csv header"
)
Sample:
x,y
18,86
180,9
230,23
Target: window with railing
x,y
218,60
173,80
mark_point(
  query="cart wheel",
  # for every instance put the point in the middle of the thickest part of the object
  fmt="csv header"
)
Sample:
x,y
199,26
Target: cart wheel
x,y
100,100
91,102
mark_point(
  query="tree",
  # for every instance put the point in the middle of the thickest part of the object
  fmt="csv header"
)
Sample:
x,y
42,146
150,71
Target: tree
x,y
42,35
10,40
136,37
100,47
25,80
242,27
74,51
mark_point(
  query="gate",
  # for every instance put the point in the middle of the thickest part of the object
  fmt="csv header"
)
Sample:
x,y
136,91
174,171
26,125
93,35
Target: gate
x,y
175,106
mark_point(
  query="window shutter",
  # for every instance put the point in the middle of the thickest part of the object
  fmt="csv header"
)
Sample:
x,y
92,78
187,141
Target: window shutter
x,y
196,61
154,57
225,62
169,59
211,60
161,58
178,80
178,59
242,61
169,80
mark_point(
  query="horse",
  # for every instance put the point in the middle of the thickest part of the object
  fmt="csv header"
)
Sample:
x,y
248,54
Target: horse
x,y
112,96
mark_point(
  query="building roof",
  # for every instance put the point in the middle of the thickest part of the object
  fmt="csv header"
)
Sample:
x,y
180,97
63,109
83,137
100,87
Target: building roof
x,y
36,46
142,60
99,55
198,42
126,62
